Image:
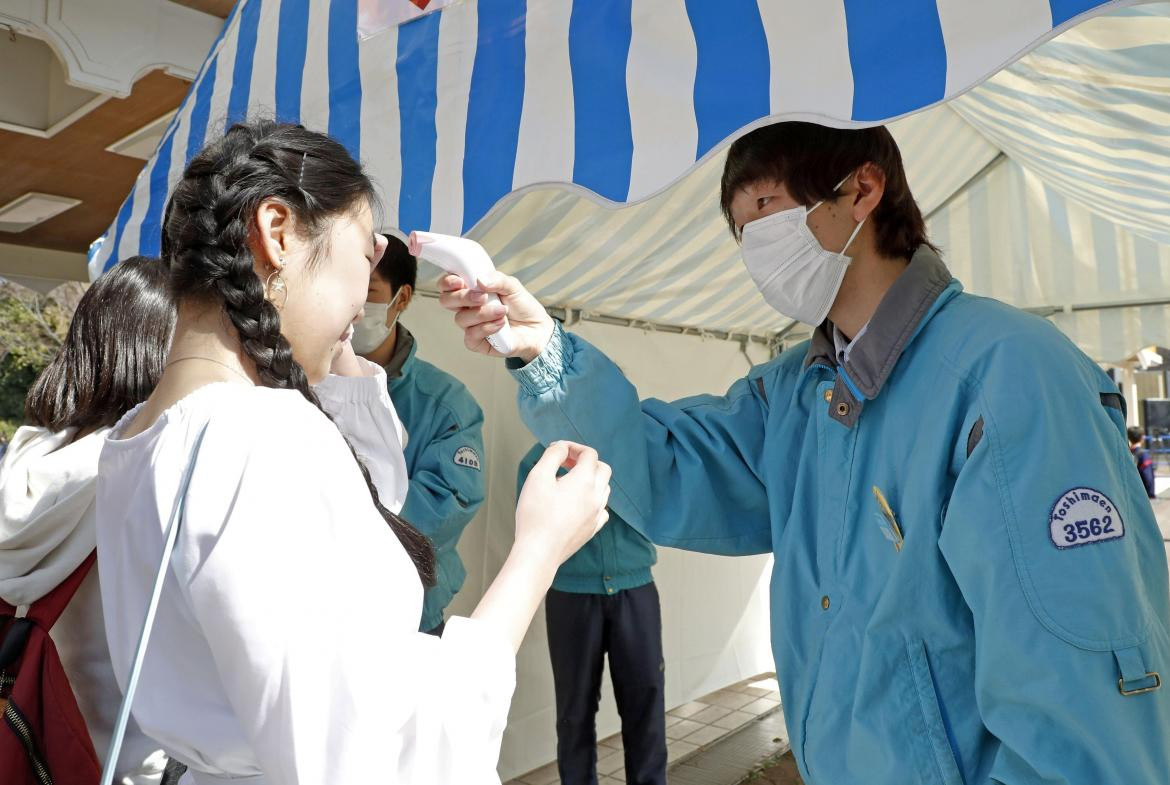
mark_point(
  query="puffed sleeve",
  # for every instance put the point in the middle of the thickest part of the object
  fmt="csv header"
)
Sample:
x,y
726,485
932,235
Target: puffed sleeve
x,y
363,411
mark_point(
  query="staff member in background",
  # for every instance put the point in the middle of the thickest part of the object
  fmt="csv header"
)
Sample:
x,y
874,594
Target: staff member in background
x,y
1141,456
603,599
444,447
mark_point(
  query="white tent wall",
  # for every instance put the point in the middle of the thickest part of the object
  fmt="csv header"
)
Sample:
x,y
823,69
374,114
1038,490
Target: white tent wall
x,y
1014,237
714,609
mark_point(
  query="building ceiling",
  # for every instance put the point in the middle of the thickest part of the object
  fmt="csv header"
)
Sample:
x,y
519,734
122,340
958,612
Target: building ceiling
x,y
73,158
75,163
218,8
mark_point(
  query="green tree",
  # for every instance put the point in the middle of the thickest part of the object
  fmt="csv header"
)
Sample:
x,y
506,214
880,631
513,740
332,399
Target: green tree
x,y
32,327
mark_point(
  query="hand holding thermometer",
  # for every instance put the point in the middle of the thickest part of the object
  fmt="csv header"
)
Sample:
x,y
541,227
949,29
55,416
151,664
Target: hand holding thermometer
x,y
468,260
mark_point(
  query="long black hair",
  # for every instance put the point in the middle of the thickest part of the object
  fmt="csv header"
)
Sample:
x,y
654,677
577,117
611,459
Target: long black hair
x,y
114,351
205,240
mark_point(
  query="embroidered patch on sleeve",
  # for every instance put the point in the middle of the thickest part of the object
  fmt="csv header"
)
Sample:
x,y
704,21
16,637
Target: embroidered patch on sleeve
x,y
1084,516
466,456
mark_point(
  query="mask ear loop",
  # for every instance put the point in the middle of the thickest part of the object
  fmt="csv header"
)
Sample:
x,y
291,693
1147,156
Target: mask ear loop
x,y
856,229
852,237
836,188
390,306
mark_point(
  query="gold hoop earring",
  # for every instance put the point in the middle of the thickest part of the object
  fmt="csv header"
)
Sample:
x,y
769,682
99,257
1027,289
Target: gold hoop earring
x,y
275,290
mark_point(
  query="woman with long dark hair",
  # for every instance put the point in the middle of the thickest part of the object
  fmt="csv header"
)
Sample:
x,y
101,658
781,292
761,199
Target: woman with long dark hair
x,y
286,647
112,357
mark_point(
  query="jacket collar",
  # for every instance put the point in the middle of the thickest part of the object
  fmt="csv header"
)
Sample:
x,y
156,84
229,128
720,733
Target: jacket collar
x,y
919,292
404,352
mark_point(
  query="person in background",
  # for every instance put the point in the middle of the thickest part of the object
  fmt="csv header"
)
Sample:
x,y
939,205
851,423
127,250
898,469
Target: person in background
x,y
3,445
603,600
1145,464
444,426
112,357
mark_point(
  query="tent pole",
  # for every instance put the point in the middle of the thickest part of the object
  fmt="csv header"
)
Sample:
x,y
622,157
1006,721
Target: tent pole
x,y
962,189
573,315
1049,310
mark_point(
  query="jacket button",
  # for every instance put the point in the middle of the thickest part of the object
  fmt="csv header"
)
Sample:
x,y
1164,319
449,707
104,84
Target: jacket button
x,y
842,409
609,590
828,395
825,602
608,578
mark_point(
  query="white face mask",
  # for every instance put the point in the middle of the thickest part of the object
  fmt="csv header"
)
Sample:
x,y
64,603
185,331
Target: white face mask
x,y
796,275
371,331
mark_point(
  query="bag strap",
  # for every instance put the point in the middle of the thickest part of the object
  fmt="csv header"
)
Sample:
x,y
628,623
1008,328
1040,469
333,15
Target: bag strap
x,y
172,534
44,612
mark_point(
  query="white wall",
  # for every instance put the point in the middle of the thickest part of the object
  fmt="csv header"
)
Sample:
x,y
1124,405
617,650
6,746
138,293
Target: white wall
x,y
715,610
105,45
41,269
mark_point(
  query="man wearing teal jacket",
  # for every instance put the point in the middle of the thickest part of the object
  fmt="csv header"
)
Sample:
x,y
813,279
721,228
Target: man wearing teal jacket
x,y
604,601
444,424
969,583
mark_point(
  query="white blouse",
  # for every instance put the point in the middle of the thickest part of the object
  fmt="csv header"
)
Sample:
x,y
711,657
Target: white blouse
x,y
286,647
363,411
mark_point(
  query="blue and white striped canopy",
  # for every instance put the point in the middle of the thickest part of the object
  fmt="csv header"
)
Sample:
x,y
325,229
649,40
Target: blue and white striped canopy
x,y
1081,121
456,110
1089,113
581,142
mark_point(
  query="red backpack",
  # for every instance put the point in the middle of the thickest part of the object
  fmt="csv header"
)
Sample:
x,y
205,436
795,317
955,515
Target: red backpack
x,y
43,737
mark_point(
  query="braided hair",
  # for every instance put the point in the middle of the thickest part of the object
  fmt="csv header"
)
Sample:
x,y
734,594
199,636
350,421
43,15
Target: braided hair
x,y
205,241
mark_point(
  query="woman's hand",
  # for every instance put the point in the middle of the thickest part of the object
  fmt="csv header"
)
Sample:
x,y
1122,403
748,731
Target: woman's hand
x,y
531,325
346,363
557,515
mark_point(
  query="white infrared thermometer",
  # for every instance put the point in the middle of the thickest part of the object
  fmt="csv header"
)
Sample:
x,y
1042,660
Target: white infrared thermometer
x,y
467,259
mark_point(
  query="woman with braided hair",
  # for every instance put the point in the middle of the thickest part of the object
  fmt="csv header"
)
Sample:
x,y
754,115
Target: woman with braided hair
x,y
286,647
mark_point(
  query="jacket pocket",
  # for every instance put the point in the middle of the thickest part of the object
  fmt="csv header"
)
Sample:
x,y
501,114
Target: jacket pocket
x,y
1077,522
941,746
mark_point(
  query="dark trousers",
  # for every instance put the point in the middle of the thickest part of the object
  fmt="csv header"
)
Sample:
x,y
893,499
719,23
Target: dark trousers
x,y
582,628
